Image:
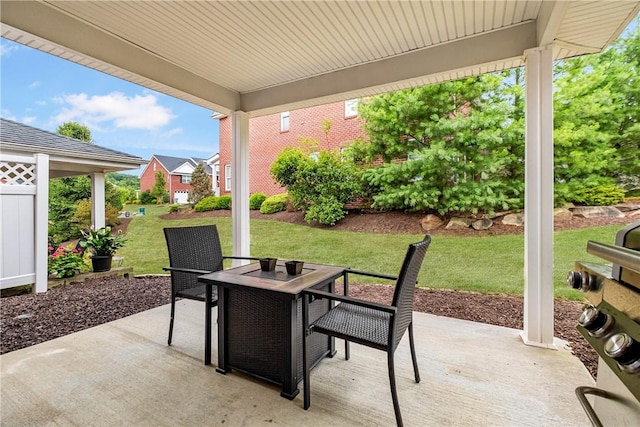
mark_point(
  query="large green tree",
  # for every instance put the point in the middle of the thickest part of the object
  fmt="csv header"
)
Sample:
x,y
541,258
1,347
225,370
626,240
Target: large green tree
x,y
455,146
597,120
75,130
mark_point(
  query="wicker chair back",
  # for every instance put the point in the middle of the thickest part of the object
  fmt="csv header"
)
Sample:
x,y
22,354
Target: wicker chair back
x,y
403,295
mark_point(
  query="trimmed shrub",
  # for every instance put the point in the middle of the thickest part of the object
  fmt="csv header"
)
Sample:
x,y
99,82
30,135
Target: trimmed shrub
x,y
146,197
206,204
174,208
328,211
223,202
273,204
600,195
255,201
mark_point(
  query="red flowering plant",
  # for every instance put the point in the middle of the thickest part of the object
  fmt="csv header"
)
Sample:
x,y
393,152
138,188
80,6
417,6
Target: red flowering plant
x,y
64,261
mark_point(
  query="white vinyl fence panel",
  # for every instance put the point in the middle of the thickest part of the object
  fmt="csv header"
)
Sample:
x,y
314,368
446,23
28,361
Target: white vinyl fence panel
x,y
23,221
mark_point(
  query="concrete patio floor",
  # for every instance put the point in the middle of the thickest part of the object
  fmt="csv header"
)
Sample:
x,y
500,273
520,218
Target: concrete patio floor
x,y
123,373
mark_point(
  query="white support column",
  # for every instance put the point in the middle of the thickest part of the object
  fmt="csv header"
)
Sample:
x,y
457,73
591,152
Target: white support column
x,y
240,183
42,222
97,200
538,252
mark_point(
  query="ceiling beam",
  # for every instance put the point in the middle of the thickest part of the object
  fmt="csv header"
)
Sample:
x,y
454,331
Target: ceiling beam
x,y
549,20
482,49
48,23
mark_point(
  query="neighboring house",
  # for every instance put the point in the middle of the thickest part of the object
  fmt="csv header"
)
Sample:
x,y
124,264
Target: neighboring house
x,y
177,175
269,135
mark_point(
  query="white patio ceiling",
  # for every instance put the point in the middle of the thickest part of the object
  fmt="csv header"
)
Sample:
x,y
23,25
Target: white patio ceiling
x,y
270,56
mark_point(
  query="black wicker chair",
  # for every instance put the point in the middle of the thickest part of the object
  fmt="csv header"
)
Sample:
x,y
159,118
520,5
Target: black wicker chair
x,y
193,251
373,325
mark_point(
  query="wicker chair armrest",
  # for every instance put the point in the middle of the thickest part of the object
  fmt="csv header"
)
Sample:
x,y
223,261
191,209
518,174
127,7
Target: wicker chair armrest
x,y
365,273
362,303
186,270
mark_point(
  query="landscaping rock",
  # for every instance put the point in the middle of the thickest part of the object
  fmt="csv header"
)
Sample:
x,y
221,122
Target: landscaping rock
x,y
597,212
562,214
431,222
458,222
482,224
516,219
627,207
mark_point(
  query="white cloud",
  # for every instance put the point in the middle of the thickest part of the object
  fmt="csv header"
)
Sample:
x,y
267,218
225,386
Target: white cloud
x,y
6,49
171,132
7,115
41,103
137,112
27,120
34,85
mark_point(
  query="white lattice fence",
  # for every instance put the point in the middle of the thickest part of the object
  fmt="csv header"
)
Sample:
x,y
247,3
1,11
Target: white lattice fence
x,y
15,173
23,227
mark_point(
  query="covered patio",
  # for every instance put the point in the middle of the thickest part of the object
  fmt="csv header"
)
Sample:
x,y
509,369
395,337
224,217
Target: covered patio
x,y
250,59
247,59
123,373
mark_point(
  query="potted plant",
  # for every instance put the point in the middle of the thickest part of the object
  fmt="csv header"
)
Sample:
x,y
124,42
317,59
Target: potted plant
x,y
102,245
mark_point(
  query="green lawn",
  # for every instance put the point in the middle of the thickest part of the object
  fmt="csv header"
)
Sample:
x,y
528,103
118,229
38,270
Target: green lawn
x,y
483,264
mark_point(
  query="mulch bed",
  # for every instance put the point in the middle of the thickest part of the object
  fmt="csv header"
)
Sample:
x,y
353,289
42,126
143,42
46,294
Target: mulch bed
x,y
30,319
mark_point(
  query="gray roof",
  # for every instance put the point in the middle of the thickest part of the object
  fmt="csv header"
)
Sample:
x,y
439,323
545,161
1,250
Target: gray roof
x,y
34,140
173,163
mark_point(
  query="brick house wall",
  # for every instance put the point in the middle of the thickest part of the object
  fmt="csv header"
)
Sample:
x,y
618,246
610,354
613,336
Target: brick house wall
x,y
173,184
148,177
266,141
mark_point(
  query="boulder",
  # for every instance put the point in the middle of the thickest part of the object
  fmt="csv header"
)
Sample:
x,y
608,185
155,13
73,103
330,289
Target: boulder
x,y
516,219
562,214
482,224
458,222
597,212
430,222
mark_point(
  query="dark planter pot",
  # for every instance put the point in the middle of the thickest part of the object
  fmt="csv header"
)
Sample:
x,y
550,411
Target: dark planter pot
x,y
101,262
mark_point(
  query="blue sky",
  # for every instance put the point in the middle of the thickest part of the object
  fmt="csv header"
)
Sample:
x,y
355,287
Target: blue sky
x,y
43,91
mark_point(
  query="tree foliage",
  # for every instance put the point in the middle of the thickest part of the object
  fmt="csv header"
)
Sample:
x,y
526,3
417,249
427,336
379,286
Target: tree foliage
x,y
320,187
597,139
455,146
75,130
159,189
67,213
200,184
66,216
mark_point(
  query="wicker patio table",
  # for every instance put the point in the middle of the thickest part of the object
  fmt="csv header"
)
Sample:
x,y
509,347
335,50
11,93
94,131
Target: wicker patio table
x,y
260,321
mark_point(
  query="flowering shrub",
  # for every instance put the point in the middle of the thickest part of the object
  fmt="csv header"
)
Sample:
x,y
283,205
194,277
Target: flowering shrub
x,y
64,262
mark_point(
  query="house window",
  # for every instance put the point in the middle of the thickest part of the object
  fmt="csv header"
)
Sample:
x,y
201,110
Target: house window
x,y
284,122
154,166
227,177
185,179
351,108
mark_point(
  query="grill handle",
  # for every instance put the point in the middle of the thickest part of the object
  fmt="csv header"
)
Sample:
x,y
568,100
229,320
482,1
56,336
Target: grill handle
x,y
582,392
624,257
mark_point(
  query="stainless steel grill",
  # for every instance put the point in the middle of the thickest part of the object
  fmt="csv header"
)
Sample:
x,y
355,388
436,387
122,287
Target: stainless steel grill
x,y
611,325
